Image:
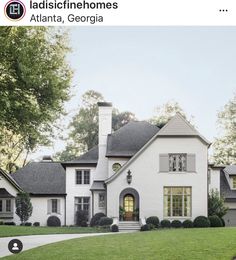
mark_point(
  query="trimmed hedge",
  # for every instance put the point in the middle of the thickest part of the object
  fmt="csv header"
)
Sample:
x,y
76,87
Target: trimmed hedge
x,y
9,223
114,228
28,224
215,221
187,223
144,227
81,218
1,223
36,224
165,223
95,219
201,221
176,224
105,221
153,220
53,221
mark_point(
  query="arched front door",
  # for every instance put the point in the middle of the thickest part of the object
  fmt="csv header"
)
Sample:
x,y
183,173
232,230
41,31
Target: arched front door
x,y
129,207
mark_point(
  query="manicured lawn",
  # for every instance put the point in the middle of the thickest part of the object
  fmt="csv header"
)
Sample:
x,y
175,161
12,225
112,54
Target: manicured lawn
x,y
9,231
191,244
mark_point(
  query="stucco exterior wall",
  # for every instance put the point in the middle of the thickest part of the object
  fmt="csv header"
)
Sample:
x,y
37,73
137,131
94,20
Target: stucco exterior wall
x,y
76,190
149,182
111,161
40,210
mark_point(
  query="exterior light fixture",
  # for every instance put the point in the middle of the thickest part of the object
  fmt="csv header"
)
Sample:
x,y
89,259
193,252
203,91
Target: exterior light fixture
x,y
129,177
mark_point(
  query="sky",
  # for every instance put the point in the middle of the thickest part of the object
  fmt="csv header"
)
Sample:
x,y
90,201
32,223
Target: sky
x,y
140,68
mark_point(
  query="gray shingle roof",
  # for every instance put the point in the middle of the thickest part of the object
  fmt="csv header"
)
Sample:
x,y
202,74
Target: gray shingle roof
x,y
231,169
225,190
130,138
98,185
90,157
41,178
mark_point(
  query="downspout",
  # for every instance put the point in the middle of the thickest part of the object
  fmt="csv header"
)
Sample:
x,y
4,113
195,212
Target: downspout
x,y
92,203
65,210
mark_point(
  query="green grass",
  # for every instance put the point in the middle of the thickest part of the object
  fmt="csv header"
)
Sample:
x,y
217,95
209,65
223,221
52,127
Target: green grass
x,y
189,244
9,231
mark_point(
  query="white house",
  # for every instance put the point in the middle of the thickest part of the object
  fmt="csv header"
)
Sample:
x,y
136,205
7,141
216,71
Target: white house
x,y
139,171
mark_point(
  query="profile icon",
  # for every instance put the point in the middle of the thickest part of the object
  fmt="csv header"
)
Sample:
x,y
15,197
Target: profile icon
x,y
15,10
15,246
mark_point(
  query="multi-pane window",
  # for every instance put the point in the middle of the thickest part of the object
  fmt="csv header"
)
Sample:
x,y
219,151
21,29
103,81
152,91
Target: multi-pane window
x,y
1,206
129,203
177,201
234,182
8,205
177,162
82,203
101,200
82,177
54,206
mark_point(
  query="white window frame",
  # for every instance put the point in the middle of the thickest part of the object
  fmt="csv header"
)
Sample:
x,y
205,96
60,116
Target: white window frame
x,y
52,209
83,171
171,202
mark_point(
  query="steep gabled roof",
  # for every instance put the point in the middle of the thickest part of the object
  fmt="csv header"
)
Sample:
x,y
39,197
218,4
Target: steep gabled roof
x,y
42,178
9,178
130,138
5,194
179,126
183,129
230,169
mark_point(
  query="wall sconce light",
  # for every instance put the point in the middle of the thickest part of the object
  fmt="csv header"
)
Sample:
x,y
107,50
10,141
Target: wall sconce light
x,y
129,177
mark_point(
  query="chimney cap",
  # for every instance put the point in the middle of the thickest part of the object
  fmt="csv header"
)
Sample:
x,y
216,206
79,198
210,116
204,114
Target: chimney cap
x,y
104,104
47,158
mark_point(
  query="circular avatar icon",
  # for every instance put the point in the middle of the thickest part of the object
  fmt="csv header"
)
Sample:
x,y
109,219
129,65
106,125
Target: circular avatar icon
x,y
15,10
15,246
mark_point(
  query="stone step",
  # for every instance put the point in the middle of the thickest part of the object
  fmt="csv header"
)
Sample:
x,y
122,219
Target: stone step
x,y
129,225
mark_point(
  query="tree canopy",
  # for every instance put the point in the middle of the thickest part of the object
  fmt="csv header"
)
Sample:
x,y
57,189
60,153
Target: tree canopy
x,y
83,129
224,146
34,82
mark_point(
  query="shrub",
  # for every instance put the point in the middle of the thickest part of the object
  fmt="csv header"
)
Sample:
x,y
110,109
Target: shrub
x,y
176,224
188,223
215,221
81,217
1,223
153,220
223,222
95,219
53,221
144,227
201,221
36,224
114,228
10,223
84,224
216,204
165,223
28,224
105,221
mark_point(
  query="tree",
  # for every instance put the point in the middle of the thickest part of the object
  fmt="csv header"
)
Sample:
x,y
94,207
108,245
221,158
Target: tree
x,y
23,206
224,147
165,112
216,204
83,130
34,83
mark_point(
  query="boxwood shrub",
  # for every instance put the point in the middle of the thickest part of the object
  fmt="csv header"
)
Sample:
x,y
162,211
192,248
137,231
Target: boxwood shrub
x,y
215,221
95,219
105,221
201,221
153,220
53,221
176,224
144,227
165,223
81,218
36,224
114,228
28,224
188,223
10,223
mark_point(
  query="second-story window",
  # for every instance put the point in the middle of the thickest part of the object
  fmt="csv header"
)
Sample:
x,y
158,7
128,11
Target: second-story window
x,y
177,162
82,177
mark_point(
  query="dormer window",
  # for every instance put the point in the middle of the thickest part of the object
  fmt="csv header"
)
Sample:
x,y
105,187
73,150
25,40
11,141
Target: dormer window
x,y
234,182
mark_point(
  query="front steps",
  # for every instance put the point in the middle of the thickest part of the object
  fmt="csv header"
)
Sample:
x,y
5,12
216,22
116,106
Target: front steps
x,y
129,226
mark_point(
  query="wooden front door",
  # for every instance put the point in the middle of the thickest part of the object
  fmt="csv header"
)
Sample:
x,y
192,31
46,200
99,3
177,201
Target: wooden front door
x,y
129,207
